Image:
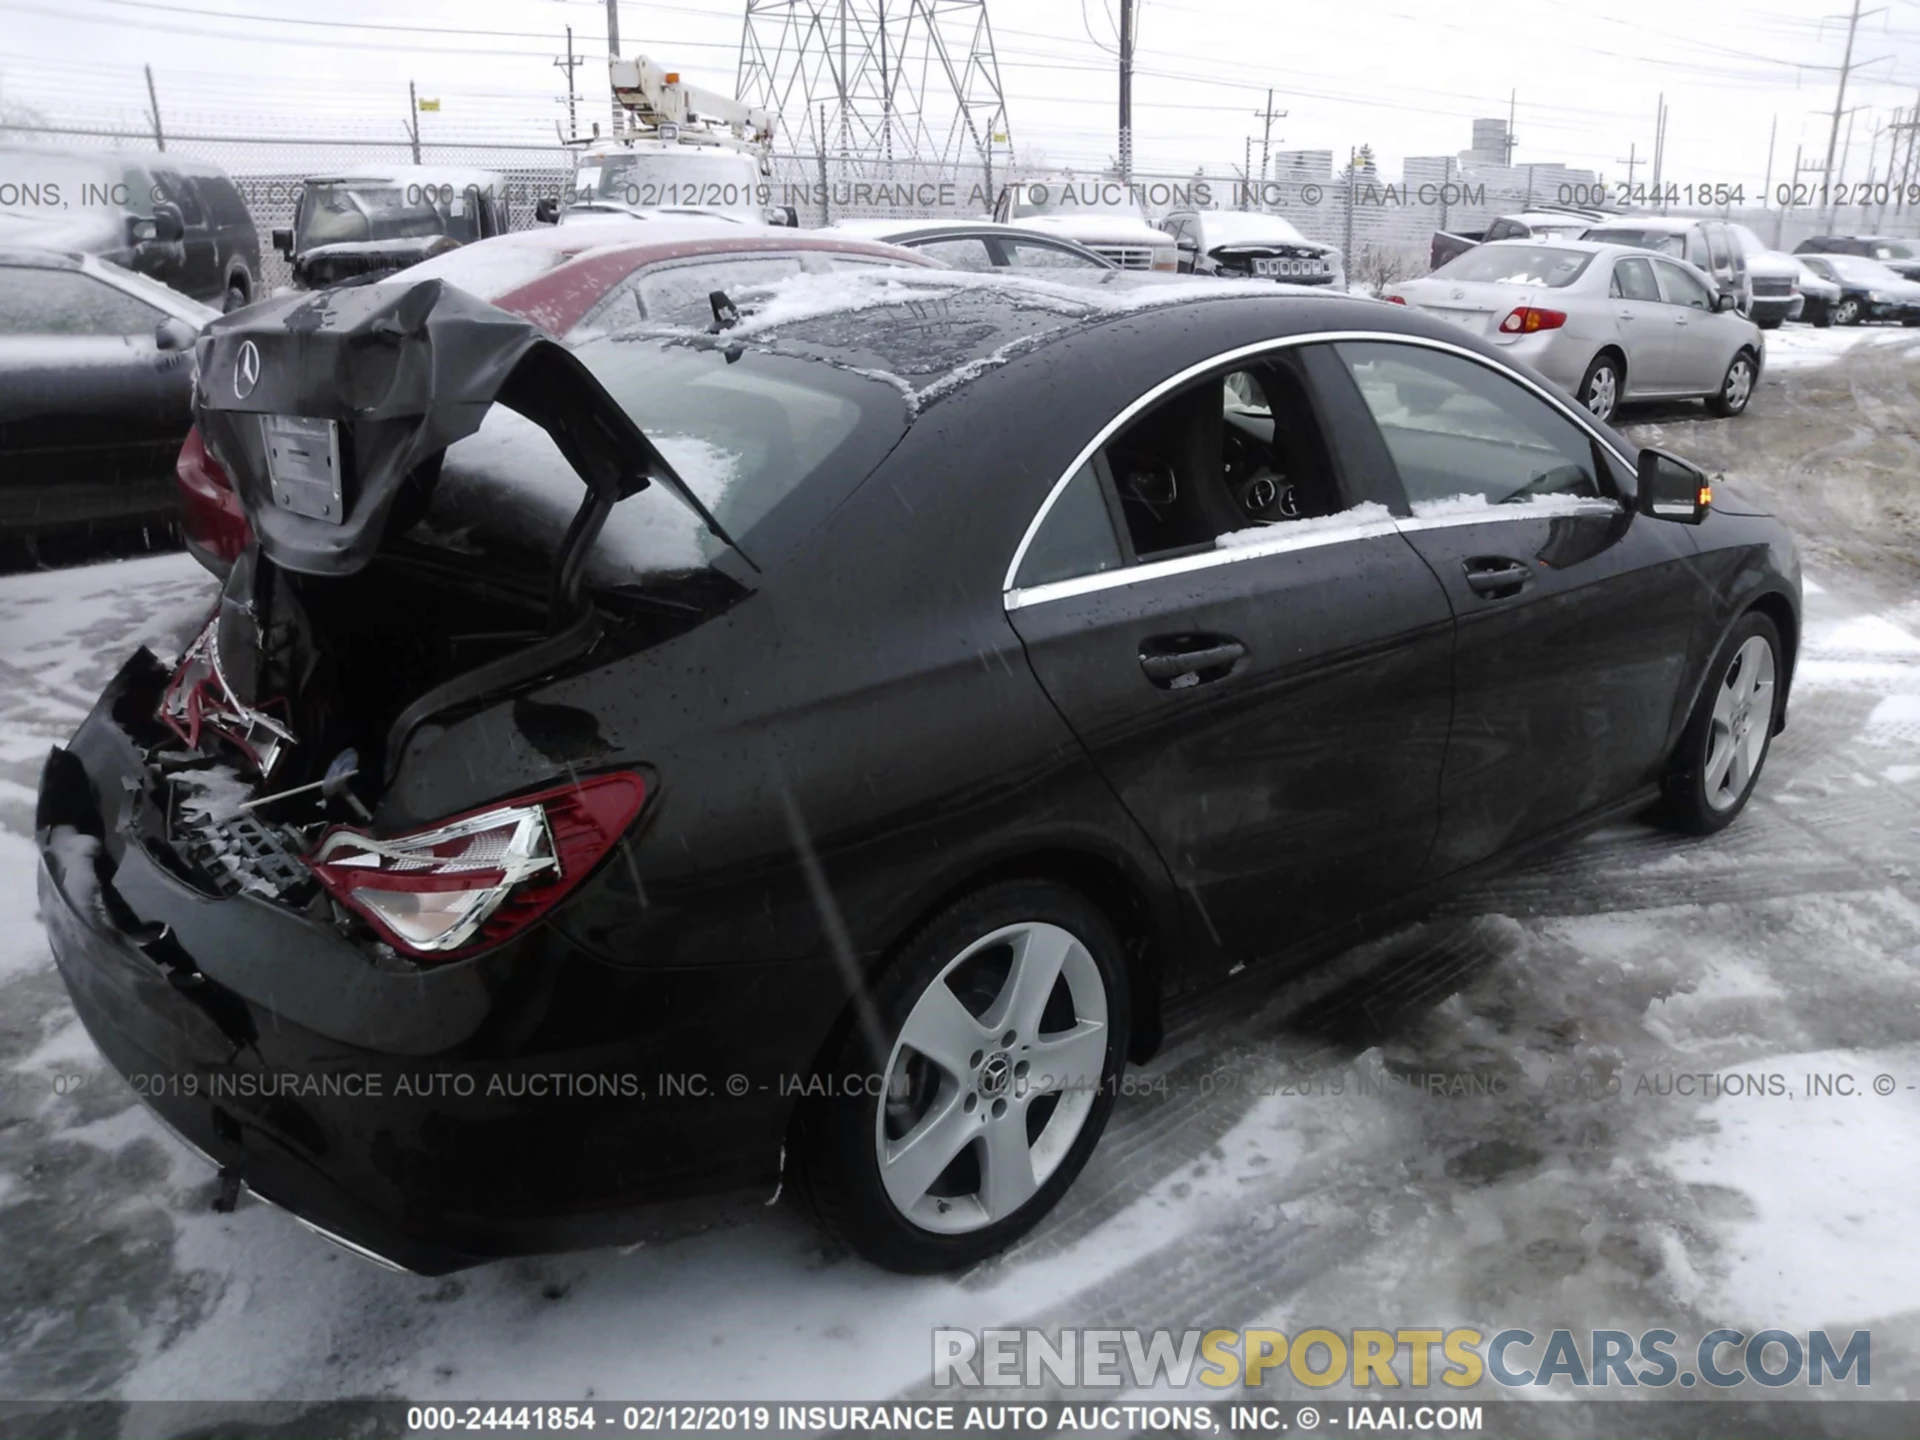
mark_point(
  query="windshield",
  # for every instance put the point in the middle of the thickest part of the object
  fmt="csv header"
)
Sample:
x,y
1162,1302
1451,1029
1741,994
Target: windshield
x,y
769,444
677,179
1076,197
1667,242
1517,265
1750,243
346,212
1896,250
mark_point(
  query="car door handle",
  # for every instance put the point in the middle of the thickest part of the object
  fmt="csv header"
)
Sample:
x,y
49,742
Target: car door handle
x,y
1190,657
1628,315
1494,579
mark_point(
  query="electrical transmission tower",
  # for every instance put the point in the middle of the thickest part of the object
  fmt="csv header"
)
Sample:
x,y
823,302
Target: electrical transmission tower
x,y
874,83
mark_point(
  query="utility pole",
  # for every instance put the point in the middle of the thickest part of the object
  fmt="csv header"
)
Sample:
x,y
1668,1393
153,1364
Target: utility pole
x,y
159,139
413,121
1513,97
570,64
1632,160
1126,90
1847,67
613,53
1269,115
1766,186
1659,143
1912,127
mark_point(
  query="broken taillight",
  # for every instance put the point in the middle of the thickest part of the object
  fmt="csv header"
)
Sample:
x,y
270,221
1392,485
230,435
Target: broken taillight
x,y
473,881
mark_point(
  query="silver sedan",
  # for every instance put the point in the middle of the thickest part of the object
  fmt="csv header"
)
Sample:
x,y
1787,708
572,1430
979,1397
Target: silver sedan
x,y
1607,322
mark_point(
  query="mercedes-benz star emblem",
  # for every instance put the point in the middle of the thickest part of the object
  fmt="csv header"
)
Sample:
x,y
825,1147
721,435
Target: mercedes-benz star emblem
x,y
246,370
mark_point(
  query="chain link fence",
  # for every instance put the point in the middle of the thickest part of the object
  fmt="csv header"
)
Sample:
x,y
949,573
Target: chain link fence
x,y
1384,227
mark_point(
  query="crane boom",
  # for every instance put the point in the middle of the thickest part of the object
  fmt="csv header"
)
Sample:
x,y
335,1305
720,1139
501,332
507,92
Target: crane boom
x,y
656,96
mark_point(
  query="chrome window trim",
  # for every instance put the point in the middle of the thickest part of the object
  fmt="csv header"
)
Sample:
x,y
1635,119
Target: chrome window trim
x,y
1280,544
1013,597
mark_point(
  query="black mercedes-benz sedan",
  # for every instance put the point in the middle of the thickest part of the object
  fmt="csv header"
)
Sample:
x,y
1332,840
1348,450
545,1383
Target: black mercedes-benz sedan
x,y
804,754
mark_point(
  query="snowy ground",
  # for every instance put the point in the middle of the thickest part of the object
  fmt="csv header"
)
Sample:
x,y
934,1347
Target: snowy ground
x,y
1790,946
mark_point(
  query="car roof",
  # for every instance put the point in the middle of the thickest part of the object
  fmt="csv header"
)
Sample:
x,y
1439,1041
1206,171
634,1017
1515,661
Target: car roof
x,y
932,332
1246,225
564,292
24,257
457,176
1672,224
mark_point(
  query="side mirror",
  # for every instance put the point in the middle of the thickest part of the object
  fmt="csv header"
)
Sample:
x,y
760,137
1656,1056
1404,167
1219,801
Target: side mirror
x,y
1672,488
1725,301
168,227
793,216
174,334
546,210
283,242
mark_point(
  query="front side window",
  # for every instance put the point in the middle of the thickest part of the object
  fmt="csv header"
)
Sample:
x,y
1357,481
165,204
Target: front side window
x,y
1664,241
1462,435
68,302
1685,289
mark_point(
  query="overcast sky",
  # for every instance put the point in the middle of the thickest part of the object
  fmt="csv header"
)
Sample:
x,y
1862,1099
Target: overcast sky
x,y
1357,71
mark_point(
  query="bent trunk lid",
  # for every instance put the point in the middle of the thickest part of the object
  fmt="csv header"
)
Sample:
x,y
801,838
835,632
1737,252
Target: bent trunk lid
x,y
321,406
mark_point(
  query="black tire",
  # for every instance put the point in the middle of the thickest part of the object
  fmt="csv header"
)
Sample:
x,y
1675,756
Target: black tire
x,y
1690,803
1605,364
1822,317
1847,311
236,295
1732,398
837,1164
1771,323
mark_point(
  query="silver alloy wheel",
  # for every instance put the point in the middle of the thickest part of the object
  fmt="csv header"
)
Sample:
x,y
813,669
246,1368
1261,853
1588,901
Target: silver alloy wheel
x,y
1846,312
1739,383
1603,392
971,1081
1742,719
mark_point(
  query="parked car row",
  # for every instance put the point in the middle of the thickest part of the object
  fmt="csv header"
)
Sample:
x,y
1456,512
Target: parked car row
x,y
1180,629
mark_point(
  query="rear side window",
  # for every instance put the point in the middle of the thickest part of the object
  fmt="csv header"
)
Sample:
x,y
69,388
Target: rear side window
x,y
68,302
1077,538
967,254
681,294
1633,280
1462,435
1032,255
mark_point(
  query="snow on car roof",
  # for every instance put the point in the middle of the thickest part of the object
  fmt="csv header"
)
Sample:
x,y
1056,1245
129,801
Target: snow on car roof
x,y
929,332
490,268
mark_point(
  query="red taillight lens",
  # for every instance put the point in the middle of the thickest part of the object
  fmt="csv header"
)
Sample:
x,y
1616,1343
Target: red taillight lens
x,y
1525,319
471,882
209,509
1396,299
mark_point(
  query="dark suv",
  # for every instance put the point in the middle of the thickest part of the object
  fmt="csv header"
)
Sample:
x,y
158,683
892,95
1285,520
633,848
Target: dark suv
x,y
1899,255
176,221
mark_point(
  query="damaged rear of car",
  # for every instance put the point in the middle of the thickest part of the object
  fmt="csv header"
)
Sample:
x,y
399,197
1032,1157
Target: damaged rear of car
x,y
346,892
